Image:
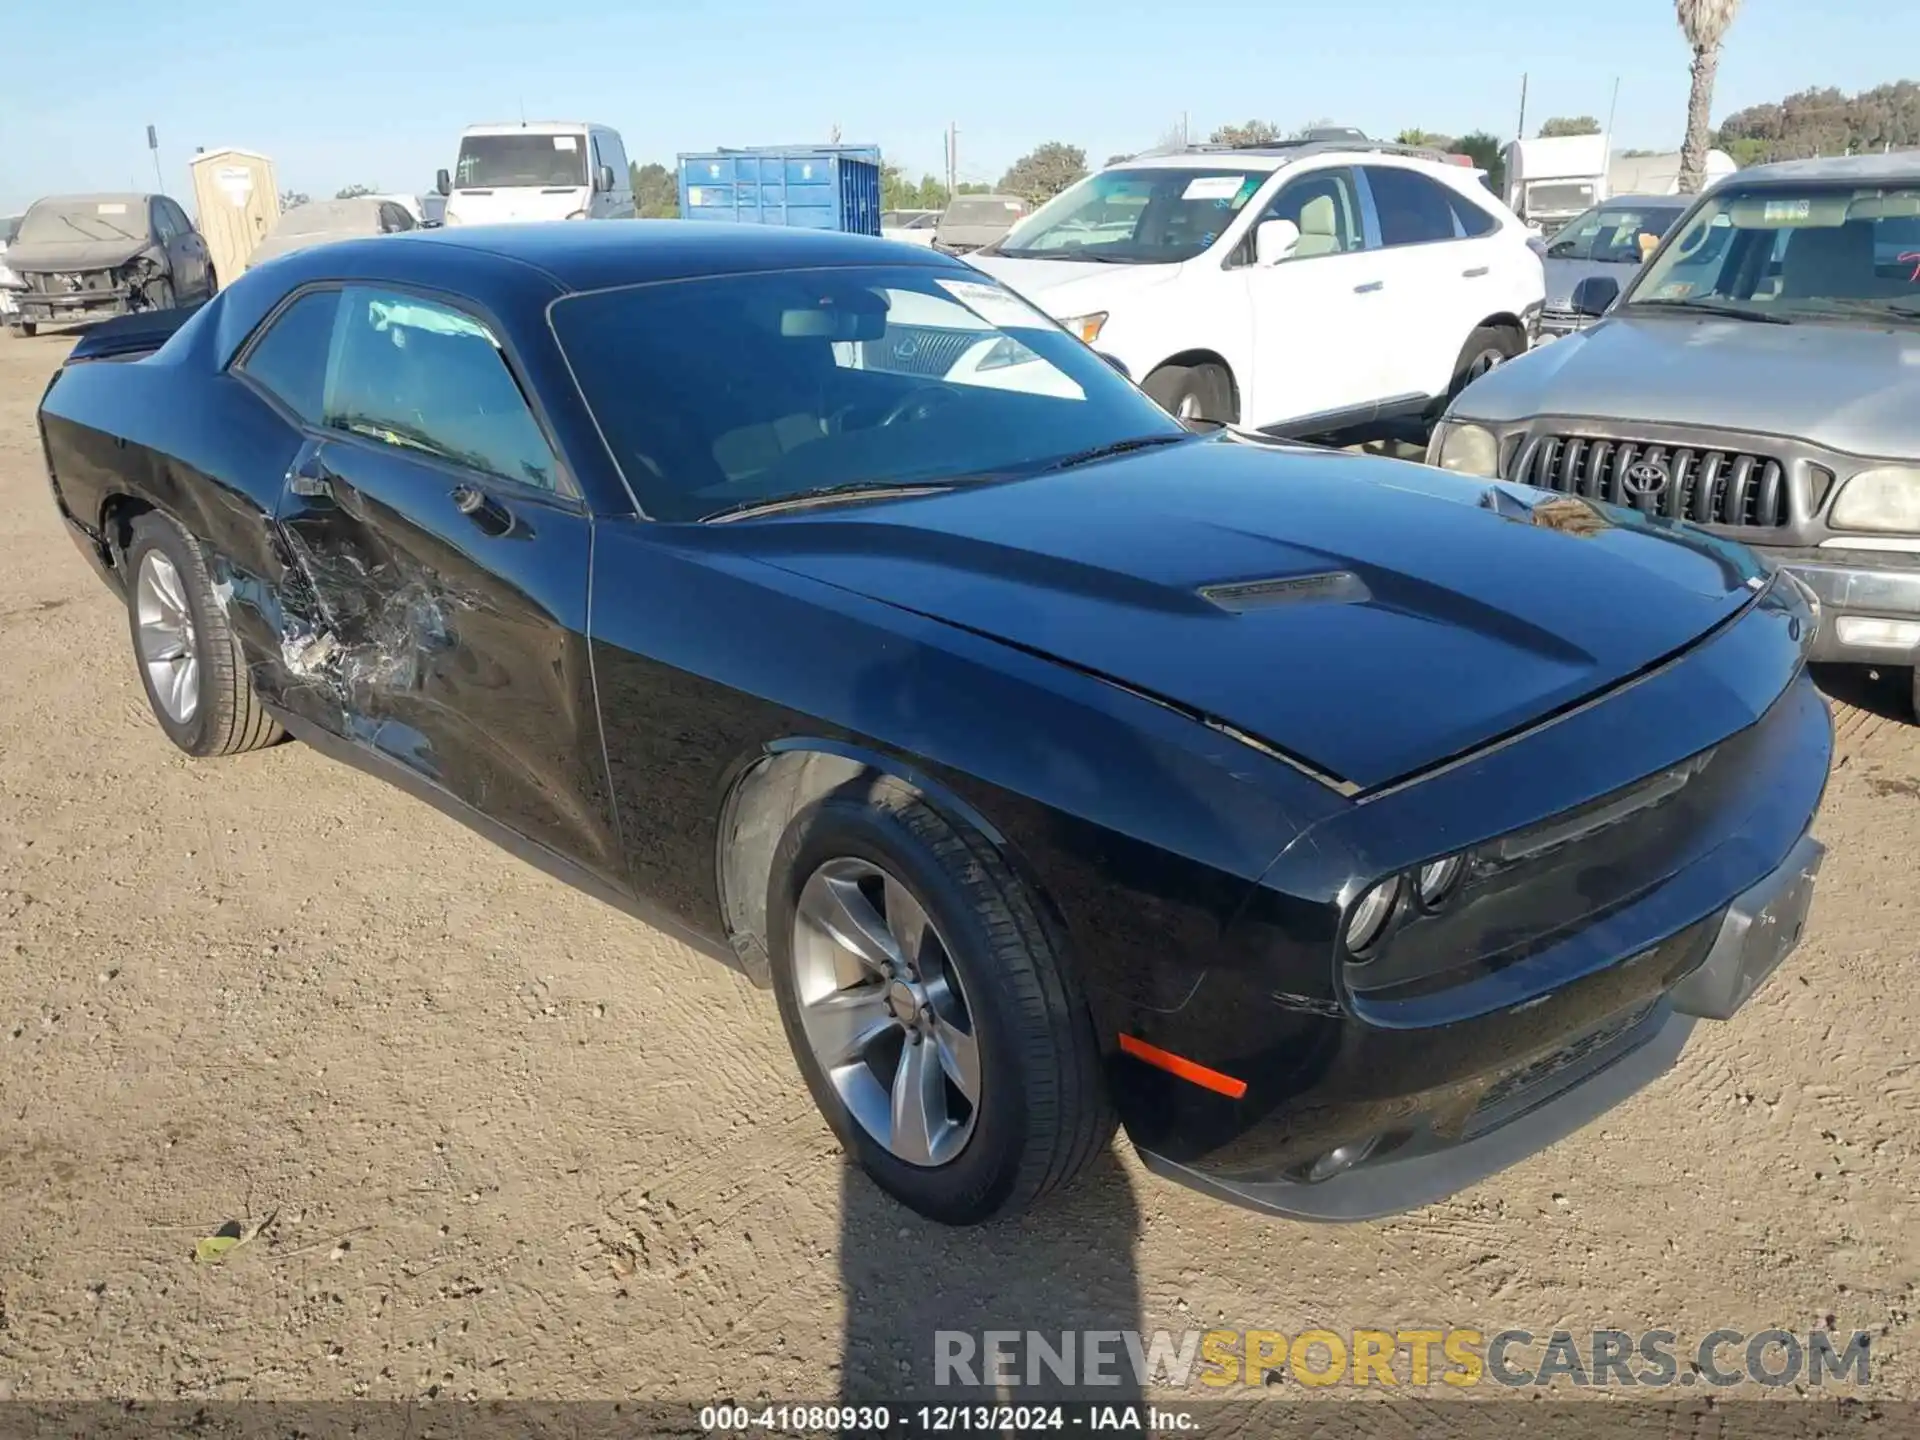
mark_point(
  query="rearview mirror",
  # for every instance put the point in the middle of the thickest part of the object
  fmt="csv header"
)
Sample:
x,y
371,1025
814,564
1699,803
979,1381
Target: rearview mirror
x,y
605,179
1595,295
442,183
1274,241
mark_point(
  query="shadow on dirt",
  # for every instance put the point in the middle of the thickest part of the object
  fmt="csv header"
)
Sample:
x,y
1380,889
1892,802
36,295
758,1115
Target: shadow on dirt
x,y
1068,1265
1885,692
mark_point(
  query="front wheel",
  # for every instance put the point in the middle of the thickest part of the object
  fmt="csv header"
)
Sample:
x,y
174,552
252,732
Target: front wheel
x,y
195,675
1486,350
934,1017
158,294
1193,393
1913,699
24,329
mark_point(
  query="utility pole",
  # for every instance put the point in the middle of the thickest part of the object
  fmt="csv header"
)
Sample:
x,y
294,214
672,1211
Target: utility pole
x,y
953,159
1613,108
1521,133
153,148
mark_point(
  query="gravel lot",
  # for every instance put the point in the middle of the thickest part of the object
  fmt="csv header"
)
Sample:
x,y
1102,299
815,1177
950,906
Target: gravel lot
x,y
508,1142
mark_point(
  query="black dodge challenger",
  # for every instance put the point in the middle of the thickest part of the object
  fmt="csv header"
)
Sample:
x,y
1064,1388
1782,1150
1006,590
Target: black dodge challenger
x,y
1345,829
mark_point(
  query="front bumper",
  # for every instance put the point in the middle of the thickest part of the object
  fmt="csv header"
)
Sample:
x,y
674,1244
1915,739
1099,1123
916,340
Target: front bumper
x,y
1534,1103
72,309
1869,603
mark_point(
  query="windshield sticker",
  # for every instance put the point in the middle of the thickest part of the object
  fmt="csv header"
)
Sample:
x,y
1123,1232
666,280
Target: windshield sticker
x,y
1001,309
110,207
565,142
1675,290
1788,212
1213,187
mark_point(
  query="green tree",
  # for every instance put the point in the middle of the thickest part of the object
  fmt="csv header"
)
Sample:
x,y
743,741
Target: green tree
x,y
354,192
899,193
1562,125
1045,171
1253,132
656,194
293,199
1488,154
1704,23
1426,139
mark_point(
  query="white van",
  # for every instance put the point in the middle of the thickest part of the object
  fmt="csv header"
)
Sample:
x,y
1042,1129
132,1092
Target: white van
x,y
538,170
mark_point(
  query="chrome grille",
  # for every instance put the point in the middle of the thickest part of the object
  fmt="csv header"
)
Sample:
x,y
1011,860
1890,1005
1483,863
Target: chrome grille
x,y
1707,486
918,350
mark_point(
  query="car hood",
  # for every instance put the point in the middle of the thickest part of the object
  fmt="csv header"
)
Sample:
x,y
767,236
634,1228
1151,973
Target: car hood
x,y
1563,275
1851,388
1389,616
1066,288
515,202
49,256
275,246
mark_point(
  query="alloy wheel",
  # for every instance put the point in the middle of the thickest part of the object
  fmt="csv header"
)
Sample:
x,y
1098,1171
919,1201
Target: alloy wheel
x,y
885,1012
166,638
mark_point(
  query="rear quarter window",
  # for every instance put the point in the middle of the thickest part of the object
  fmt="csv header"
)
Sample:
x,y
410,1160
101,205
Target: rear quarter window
x,y
289,360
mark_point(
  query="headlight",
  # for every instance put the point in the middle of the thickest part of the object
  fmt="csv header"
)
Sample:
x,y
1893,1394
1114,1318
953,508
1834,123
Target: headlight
x,y
1006,351
1436,881
1086,328
1370,915
1887,499
1469,450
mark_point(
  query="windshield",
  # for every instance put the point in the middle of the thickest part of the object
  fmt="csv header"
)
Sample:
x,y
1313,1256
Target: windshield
x,y
1147,216
490,161
1612,233
1559,197
1803,252
722,392
112,217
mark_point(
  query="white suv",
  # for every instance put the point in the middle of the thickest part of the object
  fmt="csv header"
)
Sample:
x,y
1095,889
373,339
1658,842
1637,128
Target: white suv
x,y
1313,288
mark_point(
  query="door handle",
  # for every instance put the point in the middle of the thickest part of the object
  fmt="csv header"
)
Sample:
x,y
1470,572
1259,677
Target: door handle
x,y
1475,273
487,513
1370,287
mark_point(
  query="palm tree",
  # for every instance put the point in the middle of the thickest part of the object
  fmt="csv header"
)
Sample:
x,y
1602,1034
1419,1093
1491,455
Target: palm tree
x,y
1704,23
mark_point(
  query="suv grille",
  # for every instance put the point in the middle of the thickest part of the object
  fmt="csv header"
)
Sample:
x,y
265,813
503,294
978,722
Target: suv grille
x,y
1709,487
918,350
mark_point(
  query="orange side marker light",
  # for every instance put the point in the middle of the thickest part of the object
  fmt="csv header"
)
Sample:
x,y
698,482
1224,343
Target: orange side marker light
x,y
1187,1070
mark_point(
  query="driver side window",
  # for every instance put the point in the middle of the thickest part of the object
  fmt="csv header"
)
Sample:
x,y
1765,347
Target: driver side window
x,y
1325,206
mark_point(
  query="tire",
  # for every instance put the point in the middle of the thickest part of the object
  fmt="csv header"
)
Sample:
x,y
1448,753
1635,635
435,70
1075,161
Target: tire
x,y
158,294
1913,699
991,970
195,676
1193,392
25,329
1488,348
213,285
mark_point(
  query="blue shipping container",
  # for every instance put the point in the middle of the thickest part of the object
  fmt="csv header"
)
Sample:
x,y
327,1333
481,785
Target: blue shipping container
x,y
823,187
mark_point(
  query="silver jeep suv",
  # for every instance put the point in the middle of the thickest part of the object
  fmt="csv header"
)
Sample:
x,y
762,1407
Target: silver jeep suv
x,y
1759,377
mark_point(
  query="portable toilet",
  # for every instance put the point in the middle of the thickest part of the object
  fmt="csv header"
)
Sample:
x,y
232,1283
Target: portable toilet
x,y
237,200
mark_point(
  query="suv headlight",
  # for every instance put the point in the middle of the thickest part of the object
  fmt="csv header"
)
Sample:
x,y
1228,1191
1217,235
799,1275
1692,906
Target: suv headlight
x,y
1884,499
1086,328
1468,450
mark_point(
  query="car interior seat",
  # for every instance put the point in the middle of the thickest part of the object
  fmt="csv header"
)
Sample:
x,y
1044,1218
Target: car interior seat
x,y
1830,263
1319,228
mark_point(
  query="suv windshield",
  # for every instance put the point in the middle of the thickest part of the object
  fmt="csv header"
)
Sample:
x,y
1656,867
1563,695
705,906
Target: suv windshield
x,y
735,390
1611,233
1802,252
521,159
1146,216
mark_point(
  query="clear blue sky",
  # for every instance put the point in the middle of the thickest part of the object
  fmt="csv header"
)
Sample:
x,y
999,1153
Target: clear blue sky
x,y
344,91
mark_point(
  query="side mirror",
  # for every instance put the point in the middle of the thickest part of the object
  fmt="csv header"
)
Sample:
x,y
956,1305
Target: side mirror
x,y
442,183
604,180
1274,241
1595,295
1117,363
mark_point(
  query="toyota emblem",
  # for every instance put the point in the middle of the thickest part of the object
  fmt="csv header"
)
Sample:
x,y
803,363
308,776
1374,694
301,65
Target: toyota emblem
x,y
1645,479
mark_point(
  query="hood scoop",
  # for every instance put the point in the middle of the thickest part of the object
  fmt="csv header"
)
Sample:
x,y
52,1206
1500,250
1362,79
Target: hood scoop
x,y
1238,597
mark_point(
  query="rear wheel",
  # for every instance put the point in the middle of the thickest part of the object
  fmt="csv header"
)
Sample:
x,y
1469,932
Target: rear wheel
x,y
933,1015
195,676
25,329
1488,348
1193,392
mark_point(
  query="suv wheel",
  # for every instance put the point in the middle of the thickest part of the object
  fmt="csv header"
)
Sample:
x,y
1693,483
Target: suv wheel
x,y
1193,392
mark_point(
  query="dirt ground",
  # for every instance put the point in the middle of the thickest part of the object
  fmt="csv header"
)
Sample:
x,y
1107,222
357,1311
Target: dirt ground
x,y
508,1142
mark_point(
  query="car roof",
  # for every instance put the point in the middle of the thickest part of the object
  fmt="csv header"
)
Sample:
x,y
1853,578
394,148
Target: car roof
x,y
532,127
1282,153
1899,167
601,254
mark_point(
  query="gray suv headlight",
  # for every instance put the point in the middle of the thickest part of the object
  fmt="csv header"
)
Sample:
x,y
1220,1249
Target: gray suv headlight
x,y
1887,499
1466,450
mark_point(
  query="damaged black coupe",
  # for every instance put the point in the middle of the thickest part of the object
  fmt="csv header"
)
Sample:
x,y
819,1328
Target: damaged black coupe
x,y
80,258
1345,828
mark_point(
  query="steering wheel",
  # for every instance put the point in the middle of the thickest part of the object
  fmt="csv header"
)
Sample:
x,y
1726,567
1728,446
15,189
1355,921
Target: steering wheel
x,y
921,403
